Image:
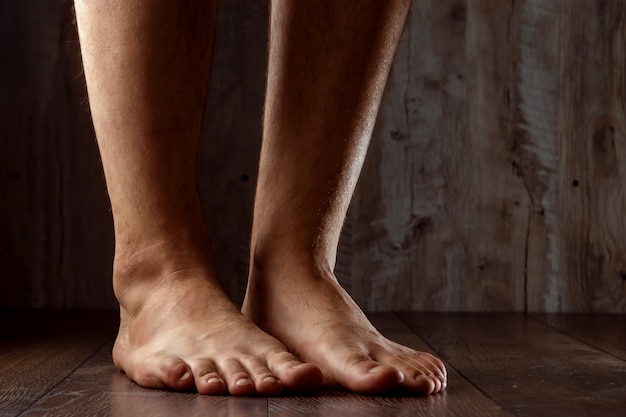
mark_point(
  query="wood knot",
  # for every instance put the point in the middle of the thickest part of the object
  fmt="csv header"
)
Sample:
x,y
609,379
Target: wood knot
x,y
397,135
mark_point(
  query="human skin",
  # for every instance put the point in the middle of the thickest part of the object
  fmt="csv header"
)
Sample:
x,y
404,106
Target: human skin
x,y
147,68
328,64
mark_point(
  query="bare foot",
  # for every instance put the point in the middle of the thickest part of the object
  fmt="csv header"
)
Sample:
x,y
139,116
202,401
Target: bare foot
x,y
179,330
316,319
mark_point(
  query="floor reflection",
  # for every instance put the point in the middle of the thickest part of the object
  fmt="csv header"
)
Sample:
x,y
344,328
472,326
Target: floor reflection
x,y
128,399
345,404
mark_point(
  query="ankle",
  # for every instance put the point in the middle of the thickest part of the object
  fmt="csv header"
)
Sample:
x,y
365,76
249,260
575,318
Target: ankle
x,y
143,267
281,269
275,258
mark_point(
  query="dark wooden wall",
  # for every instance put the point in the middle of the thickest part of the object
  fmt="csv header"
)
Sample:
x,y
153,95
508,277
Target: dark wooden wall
x,y
495,179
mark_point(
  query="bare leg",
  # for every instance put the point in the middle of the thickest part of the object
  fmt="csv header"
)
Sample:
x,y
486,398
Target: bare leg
x,y
328,65
147,64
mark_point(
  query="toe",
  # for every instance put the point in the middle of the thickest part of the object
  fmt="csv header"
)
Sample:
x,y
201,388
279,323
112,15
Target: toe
x,y
176,374
422,384
294,375
265,382
430,366
207,379
434,363
210,384
365,376
237,378
165,372
421,373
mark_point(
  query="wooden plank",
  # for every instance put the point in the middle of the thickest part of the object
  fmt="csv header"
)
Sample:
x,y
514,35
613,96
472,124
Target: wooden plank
x,y
592,157
231,140
341,404
97,388
442,207
606,332
498,365
408,206
57,240
30,225
495,198
460,399
84,261
534,134
526,367
38,349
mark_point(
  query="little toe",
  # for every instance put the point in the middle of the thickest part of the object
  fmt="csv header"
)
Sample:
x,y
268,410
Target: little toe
x,y
432,362
237,378
294,375
421,376
423,383
366,376
429,366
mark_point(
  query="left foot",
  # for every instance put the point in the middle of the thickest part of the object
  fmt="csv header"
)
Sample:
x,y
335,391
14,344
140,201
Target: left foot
x,y
306,309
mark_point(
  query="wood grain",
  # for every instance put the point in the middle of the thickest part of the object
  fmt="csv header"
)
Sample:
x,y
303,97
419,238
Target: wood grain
x,y
606,332
56,364
495,231
525,366
55,227
231,140
592,174
97,388
460,399
401,210
535,144
341,404
38,349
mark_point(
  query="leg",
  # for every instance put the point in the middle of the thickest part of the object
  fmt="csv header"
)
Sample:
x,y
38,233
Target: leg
x,y
147,64
328,66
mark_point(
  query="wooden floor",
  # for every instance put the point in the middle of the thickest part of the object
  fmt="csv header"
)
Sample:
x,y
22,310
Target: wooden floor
x,y
58,363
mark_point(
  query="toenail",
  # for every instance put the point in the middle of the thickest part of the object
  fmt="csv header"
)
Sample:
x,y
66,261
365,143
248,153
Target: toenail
x,y
243,381
270,379
185,376
214,380
376,369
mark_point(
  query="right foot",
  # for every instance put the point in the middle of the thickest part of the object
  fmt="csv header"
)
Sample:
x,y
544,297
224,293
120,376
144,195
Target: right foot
x,y
179,330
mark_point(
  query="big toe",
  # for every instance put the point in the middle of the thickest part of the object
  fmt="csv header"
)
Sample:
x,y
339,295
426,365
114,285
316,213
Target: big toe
x,y
167,372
